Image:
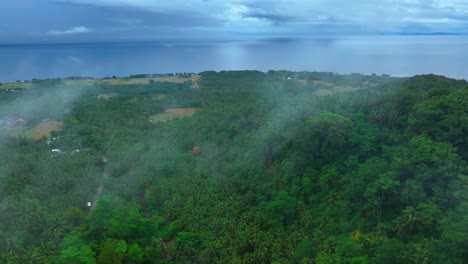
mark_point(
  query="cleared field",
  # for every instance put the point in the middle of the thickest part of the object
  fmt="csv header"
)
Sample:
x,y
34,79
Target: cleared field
x,y
345,88
194,78
329,84
325,85
173,113
335,89
15,85
43,129
327,88
323,92
172,79
84,82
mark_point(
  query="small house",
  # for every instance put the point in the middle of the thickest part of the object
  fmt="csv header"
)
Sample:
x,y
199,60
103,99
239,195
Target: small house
x,y
21,121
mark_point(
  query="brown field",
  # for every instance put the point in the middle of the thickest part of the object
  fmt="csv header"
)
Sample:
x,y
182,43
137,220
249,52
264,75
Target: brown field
x,y
195,78
43,129
173,113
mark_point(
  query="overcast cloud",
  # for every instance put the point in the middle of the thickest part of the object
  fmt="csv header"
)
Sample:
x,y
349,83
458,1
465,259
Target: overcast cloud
x,y
36,21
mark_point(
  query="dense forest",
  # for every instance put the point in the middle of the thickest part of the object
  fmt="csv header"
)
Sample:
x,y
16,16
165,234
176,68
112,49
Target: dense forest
x,y
275,167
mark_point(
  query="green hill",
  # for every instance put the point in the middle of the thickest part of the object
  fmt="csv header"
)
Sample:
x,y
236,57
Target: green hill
x,y
276,167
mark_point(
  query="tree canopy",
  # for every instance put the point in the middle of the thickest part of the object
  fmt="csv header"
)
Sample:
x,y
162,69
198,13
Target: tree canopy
x,y
276,167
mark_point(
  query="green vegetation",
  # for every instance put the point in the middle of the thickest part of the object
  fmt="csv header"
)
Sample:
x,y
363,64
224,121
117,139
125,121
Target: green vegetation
x,y
87,81
374,170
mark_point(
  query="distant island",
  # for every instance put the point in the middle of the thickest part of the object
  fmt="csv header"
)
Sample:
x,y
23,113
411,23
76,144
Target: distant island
x,y
234,167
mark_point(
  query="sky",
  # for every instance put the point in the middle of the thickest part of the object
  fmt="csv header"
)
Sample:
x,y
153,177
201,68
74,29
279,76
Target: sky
x,y
82,21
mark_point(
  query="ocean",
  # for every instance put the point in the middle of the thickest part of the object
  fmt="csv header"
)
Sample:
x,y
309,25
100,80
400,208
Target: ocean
x,y
393,55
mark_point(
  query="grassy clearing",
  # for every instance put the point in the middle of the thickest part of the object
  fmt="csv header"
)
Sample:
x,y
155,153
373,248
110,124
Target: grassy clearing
x,y
172,79
81,82
194,79
43,129
323,92
335,89
159,97
15,85
328,88
173,113
345,89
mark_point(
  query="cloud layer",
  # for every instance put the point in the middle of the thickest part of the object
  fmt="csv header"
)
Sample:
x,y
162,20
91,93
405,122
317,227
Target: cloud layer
x,y
112,20
73,30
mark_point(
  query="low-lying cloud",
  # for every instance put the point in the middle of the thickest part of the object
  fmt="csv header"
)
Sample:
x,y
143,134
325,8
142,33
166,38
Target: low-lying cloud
x,y
70,31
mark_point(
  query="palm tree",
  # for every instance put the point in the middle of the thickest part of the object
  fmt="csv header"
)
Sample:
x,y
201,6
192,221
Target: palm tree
x,y
32,255
408,222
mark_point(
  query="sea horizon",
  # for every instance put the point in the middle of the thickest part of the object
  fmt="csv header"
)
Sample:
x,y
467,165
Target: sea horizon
x,y
391,54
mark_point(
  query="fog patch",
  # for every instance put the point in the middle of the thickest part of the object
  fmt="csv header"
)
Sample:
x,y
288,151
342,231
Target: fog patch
x,y
46,100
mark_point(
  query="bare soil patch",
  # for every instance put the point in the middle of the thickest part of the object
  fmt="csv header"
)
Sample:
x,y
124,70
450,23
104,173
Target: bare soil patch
x,y
195,78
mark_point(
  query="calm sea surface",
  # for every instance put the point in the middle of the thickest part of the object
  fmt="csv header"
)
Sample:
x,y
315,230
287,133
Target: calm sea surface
x,y
394,55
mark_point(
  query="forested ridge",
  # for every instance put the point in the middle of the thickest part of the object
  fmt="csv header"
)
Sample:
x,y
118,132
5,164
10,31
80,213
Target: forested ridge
x,y
276,167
